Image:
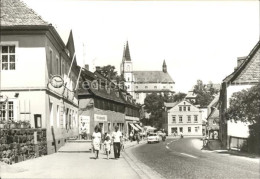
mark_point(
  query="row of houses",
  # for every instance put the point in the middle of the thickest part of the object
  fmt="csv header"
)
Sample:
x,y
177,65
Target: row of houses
x,y
34,61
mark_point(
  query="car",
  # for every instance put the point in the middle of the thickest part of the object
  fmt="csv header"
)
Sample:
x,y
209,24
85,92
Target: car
x,y
153,137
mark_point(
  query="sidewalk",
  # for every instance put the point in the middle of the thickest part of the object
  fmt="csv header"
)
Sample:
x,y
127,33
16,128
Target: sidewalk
x,y
74,160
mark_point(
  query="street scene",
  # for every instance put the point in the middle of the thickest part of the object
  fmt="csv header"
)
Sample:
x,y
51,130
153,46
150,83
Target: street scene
x,y
129,89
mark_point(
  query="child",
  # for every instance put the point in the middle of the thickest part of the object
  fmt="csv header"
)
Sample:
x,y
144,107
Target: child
x,y
107,146
122,145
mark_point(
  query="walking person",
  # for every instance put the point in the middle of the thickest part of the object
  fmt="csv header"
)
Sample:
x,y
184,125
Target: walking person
x,y
131,136
96,140
138,137
107,146
117,140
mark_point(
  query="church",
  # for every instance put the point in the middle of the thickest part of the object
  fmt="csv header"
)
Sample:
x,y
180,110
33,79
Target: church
x,y
141,83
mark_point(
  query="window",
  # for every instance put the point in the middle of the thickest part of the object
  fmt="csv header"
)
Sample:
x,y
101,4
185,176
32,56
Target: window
x,y
196,129
180,108
189,119
188,108
63,67
8,57
195,118
58,66
164,86
171,86
128,79
155,87
180,119
146,86
184,108
136,87
58,116
137,95
214,122
128,86
173,119
181,129
189,129
50,67
6,111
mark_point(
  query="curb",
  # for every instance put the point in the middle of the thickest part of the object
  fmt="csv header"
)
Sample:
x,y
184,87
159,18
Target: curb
x,y
140,168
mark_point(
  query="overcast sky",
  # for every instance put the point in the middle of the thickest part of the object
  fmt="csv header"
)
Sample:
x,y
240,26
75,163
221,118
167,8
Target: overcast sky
x,y
198,39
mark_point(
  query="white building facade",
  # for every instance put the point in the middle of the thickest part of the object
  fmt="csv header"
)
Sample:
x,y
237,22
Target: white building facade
x,y
185,118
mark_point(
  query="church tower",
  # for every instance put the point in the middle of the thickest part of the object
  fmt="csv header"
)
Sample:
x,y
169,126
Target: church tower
x,y
127,69
164,67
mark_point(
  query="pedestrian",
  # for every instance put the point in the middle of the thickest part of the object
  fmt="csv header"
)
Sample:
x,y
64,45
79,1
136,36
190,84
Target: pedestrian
x,y
122,146
138,137
96,140
131,136
107,146
117,140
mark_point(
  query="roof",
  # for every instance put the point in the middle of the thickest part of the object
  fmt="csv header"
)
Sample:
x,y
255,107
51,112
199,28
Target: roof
x,y
191,94
17,13
126,54
239,69
170,105
152,77
214,101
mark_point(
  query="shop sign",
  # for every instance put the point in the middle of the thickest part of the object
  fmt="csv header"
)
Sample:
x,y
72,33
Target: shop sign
x,y
100,118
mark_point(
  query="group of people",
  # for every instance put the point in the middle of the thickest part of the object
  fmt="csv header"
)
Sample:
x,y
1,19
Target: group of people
x,y
116,139
135,135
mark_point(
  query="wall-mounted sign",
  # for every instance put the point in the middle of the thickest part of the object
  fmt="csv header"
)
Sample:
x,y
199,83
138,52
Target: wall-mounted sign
x,y
100,118
56,81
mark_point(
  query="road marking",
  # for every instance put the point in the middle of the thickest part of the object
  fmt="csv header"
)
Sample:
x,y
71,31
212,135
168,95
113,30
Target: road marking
x,y
167,147
188,155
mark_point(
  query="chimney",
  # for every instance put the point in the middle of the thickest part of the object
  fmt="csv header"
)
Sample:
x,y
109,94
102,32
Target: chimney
x,y
98,68
87,67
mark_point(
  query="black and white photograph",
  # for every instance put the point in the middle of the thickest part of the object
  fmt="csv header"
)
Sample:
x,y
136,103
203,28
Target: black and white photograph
x,y
129,89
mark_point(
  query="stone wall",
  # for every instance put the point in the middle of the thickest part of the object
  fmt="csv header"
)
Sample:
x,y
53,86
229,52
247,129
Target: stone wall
x,y
18,145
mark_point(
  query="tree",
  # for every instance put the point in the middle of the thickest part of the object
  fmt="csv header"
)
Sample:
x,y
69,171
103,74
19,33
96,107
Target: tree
x,y
178,97
109,72
154,105
205,93
245,107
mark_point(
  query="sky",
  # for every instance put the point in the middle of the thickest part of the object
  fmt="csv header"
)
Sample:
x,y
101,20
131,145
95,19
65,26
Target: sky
x,y
197,39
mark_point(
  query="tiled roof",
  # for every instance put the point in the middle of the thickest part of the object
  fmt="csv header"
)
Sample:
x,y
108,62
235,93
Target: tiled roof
x,y
242,66
152,77
17,13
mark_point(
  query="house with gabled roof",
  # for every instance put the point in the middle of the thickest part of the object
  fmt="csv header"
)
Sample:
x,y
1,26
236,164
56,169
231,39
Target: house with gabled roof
x,y
141,83
104,103
245,75
183,117
31,54
213,119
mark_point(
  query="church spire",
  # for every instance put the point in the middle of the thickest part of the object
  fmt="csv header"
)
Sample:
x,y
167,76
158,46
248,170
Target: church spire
x,y
126,54
164,67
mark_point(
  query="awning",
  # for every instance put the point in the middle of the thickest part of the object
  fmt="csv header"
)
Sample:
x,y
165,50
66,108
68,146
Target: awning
x,y
135,128
138,126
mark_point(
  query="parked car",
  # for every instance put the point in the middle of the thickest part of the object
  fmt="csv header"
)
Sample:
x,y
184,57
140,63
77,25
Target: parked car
x,y
153,137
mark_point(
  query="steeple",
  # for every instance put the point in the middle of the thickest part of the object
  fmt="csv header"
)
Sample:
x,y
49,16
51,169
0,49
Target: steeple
x,y
126,54
164,67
